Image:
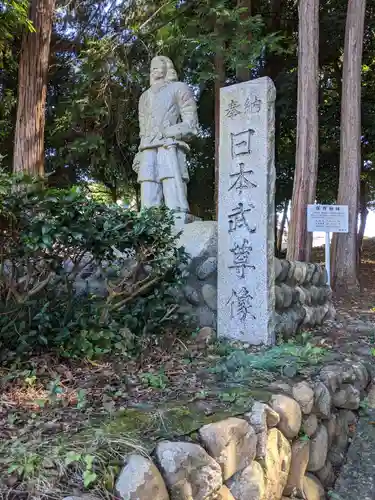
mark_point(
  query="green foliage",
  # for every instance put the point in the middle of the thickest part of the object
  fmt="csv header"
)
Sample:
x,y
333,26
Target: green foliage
x,y
239,364
13,16
155,380
49,237
88,475
215,27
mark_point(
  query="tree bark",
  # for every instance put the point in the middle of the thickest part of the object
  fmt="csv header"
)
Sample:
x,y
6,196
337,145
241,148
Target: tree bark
x,y
344,248
28,153
219,81
280,232
304,187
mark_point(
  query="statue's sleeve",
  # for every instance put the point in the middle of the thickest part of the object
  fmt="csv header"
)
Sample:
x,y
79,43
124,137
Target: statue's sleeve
x,y
187,106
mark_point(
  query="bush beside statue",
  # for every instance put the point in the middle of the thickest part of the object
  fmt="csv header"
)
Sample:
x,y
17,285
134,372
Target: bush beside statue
x,y
52,240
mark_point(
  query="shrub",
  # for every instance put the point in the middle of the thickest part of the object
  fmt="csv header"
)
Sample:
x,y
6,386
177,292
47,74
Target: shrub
x,y
48,237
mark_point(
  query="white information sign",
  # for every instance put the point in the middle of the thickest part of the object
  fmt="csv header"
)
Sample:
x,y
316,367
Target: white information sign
x,y
327,218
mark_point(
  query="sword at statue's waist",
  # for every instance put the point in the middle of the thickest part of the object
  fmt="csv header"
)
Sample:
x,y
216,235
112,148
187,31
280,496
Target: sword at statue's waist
x,y
164,144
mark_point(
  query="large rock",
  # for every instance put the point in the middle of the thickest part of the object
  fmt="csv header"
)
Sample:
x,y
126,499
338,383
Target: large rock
x,y
354,373
278,268
199,238
288,323
344,430
304,396
140,480
347,397
322,400
248,483
309,319
300,272
345,425
277,463
318,450
206,336
188,471
310,425
191,295
281,387
262,417
290,414
313,488
331,429
209,293
302,295
279,298
231,442
207,268
300,459
326,475
371,396
331,376
287,293
285,265
205,316
361,376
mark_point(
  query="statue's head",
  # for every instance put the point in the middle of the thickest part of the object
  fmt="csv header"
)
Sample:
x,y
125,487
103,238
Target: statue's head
x,y
158,69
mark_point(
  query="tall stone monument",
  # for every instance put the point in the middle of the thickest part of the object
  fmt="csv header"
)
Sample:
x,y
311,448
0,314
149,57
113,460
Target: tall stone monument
x,y
246,299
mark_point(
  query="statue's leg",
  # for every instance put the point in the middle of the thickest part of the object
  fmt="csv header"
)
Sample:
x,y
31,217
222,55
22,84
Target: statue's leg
x,y
174,187
151,194
175,194
151,188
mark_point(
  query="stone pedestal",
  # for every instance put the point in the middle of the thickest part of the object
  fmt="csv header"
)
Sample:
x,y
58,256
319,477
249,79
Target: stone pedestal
x,y
199,239
246,212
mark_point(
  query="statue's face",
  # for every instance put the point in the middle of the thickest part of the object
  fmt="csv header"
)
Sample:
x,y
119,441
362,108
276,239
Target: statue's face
x,y
158,70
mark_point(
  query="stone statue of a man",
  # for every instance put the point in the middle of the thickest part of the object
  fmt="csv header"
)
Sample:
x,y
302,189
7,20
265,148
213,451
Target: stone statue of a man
x,y
167,120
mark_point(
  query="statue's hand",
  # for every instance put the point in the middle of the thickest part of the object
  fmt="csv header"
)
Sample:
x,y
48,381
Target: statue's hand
x,y
172,133
169,141
180,131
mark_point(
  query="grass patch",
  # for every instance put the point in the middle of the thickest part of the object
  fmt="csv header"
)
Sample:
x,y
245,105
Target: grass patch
x,y
286,359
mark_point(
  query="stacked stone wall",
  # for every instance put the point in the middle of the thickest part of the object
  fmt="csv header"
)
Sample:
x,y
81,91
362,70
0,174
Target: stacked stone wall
x,y
291,446
303,299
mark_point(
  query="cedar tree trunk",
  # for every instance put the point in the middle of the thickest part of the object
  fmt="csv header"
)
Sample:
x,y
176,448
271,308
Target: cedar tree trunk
x,y
28,153
344,248
304,187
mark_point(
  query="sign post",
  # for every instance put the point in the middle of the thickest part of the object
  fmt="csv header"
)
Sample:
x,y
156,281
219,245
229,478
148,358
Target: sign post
x,y
328,219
